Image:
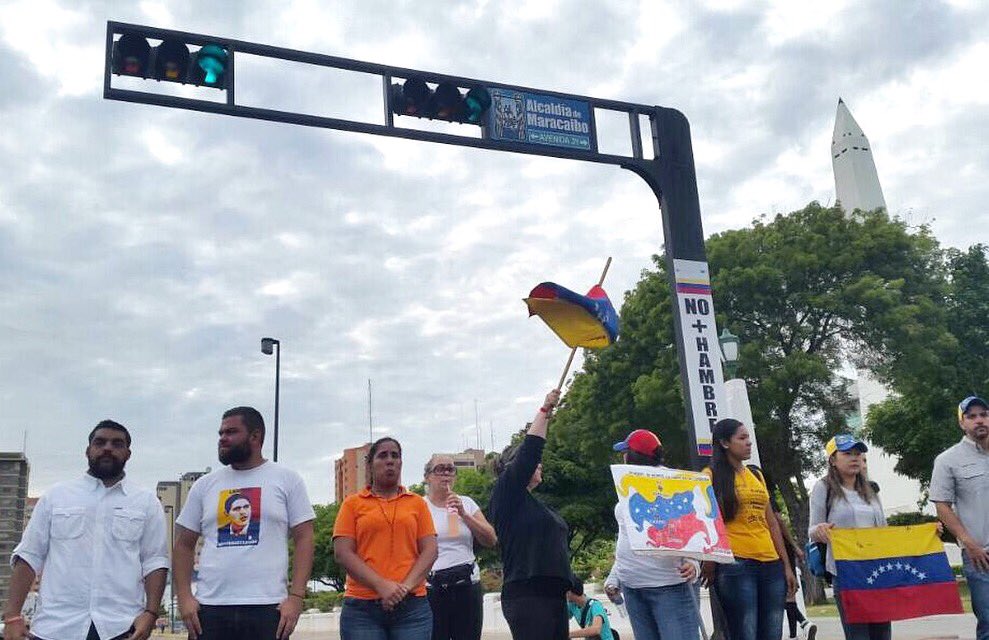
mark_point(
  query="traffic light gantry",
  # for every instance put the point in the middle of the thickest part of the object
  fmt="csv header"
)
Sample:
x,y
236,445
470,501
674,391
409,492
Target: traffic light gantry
x,y
171,60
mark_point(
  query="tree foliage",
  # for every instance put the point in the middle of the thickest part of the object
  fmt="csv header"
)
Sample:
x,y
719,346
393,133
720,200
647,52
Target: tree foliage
x,y
325,568
920,420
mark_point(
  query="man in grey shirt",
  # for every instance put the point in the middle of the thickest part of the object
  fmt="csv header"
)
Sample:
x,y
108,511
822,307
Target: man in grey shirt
x,y
961,478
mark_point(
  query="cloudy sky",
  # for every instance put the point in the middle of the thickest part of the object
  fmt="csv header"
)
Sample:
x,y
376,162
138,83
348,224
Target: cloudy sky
x,y
145,251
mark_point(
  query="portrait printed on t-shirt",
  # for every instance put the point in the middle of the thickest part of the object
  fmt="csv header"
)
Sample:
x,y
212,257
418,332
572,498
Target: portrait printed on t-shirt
x,y
238,517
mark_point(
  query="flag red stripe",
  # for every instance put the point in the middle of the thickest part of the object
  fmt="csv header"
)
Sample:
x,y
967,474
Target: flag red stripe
x,y
900,603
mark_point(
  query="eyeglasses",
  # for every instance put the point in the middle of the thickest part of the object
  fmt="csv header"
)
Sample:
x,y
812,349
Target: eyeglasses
x,y
444,469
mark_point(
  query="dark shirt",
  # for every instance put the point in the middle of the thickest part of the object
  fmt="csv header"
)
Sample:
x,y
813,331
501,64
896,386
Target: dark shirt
x,y
533,538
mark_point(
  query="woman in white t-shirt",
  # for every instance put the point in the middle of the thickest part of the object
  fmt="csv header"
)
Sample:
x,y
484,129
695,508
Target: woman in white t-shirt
x,y
453,586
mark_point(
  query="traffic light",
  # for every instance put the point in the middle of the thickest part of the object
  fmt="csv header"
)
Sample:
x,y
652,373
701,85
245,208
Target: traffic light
x,y
170,61
131,54
447,101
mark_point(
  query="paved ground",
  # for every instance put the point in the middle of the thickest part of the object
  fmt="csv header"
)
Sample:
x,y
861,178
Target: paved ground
x,y
959,627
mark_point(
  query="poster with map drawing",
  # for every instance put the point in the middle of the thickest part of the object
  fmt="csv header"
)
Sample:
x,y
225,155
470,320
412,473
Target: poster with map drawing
x,y
669,512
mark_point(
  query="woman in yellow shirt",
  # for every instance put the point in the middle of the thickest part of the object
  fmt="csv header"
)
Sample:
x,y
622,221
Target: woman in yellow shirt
x,y
753,589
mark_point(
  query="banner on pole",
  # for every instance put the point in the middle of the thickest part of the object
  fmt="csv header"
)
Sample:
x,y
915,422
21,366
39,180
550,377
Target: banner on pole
x,y
670,512
705,379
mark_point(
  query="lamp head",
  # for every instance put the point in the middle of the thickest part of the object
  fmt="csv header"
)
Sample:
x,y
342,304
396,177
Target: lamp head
x,y
268,345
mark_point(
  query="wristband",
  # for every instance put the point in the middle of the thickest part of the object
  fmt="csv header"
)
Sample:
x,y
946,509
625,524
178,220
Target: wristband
x,y
303,598
13,619
154,613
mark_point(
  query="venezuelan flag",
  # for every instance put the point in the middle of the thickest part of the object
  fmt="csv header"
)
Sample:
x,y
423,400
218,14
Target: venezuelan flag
x,y
893,573
581,321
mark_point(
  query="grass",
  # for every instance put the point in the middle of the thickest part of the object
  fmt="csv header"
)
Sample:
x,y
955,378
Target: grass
x,y
828,609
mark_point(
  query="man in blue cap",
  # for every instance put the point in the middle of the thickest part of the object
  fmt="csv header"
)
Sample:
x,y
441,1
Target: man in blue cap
x,y
961,480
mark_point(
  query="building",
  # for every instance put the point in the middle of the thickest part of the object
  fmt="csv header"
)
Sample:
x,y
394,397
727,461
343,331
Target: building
x,y
14,472
29,506
350,471
172,494
855,178
466,459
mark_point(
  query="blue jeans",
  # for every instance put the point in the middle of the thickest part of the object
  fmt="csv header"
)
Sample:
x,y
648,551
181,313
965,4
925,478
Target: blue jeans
x,y
753,595
663,613
360,619
864,630
978,586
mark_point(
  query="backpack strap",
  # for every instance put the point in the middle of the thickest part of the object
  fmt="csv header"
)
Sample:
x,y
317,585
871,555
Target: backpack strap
x,y
584,611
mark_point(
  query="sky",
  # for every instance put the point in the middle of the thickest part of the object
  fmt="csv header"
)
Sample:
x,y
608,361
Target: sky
x,y
145,251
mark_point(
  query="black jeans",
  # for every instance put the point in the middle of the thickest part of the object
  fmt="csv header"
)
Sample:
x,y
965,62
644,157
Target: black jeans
x,y
239,621
536,617
457,611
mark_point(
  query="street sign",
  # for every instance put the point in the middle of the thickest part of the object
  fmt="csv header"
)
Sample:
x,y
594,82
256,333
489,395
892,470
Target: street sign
x,y
520,116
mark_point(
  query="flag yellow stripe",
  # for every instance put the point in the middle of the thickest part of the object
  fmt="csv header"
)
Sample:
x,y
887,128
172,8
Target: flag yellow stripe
x,y
885,542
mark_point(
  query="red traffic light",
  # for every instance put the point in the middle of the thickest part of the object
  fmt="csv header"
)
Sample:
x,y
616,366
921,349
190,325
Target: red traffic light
x,y
131,54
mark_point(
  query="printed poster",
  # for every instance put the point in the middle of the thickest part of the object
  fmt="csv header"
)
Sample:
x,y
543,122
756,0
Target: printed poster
x,y
670,512
238,517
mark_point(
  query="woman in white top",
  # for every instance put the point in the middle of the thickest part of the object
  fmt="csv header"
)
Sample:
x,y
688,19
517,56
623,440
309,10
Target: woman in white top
x,y
659,592
453,586
847,500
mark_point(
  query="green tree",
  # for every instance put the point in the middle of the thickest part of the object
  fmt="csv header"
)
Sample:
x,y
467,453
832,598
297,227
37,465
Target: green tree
x,y
920,419
325,568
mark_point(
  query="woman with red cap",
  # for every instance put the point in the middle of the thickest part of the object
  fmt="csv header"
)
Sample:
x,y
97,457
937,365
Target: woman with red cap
x,y
659,592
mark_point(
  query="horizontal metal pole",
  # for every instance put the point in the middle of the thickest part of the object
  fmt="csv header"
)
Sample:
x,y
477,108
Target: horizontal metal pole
x,y
272,115
348,64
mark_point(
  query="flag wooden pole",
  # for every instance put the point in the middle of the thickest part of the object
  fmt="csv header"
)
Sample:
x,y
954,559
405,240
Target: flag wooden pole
x,y
573,352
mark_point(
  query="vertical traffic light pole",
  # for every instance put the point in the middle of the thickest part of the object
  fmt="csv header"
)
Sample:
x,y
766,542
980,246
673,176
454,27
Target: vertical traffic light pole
x,y
507,118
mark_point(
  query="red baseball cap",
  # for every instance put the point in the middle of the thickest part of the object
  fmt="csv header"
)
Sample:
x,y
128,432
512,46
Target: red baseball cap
x,y
641,441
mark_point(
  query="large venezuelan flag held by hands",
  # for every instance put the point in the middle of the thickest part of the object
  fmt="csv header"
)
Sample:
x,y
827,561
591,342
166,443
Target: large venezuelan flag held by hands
x,y
581,321
893,573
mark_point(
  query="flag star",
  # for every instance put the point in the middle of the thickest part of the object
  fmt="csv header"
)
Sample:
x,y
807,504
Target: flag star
x,y
875,574
882,569
899,565
869,580
921,575
889,566
913,570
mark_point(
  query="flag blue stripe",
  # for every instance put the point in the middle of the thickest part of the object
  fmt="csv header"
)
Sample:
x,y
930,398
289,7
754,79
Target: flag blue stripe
x,y
888,573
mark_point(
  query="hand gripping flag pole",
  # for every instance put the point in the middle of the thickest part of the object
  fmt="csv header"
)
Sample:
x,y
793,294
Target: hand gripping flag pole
x,y
580,321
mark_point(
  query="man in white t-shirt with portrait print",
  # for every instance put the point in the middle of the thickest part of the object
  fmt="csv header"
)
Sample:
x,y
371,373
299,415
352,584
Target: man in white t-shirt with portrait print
x,y
245,512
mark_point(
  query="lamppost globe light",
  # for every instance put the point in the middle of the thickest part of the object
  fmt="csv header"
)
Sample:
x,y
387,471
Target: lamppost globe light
x,y
729,348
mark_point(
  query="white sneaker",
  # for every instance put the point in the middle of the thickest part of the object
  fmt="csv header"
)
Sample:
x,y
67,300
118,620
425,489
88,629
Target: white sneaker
x,y
809,629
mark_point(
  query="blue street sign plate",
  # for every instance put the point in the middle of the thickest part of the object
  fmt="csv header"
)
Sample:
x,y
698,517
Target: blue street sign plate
x,y
532,118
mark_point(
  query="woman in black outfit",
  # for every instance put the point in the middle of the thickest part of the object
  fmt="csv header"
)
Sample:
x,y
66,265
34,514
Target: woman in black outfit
x,y
534,550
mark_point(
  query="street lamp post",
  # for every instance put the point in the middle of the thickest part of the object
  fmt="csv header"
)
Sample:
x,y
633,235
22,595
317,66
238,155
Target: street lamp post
x,y
269,346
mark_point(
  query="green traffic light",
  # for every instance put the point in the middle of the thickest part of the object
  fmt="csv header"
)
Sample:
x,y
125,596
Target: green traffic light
x,y
478,101
212,59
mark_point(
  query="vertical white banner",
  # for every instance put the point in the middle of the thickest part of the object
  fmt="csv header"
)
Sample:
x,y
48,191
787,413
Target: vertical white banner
x,y
705,380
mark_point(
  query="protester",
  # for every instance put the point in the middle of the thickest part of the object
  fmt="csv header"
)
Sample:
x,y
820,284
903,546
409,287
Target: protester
x,y
245,512
960,491
590,615
658,592
845,499
533,539
453,586
753,589
385,539
103,546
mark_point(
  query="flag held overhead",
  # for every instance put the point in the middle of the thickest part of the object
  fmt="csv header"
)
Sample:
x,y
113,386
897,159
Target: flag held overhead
x,y
581,321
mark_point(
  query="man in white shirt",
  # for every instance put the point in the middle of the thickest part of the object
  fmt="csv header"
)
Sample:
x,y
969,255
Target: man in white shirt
x,y
102,545
245,513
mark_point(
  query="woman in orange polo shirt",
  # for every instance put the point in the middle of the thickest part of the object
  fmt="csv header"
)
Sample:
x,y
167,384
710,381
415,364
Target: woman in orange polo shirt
x,y
385,539
753,589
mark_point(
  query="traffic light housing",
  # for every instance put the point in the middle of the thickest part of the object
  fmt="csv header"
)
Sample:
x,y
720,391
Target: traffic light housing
x,y
446,102
170,61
